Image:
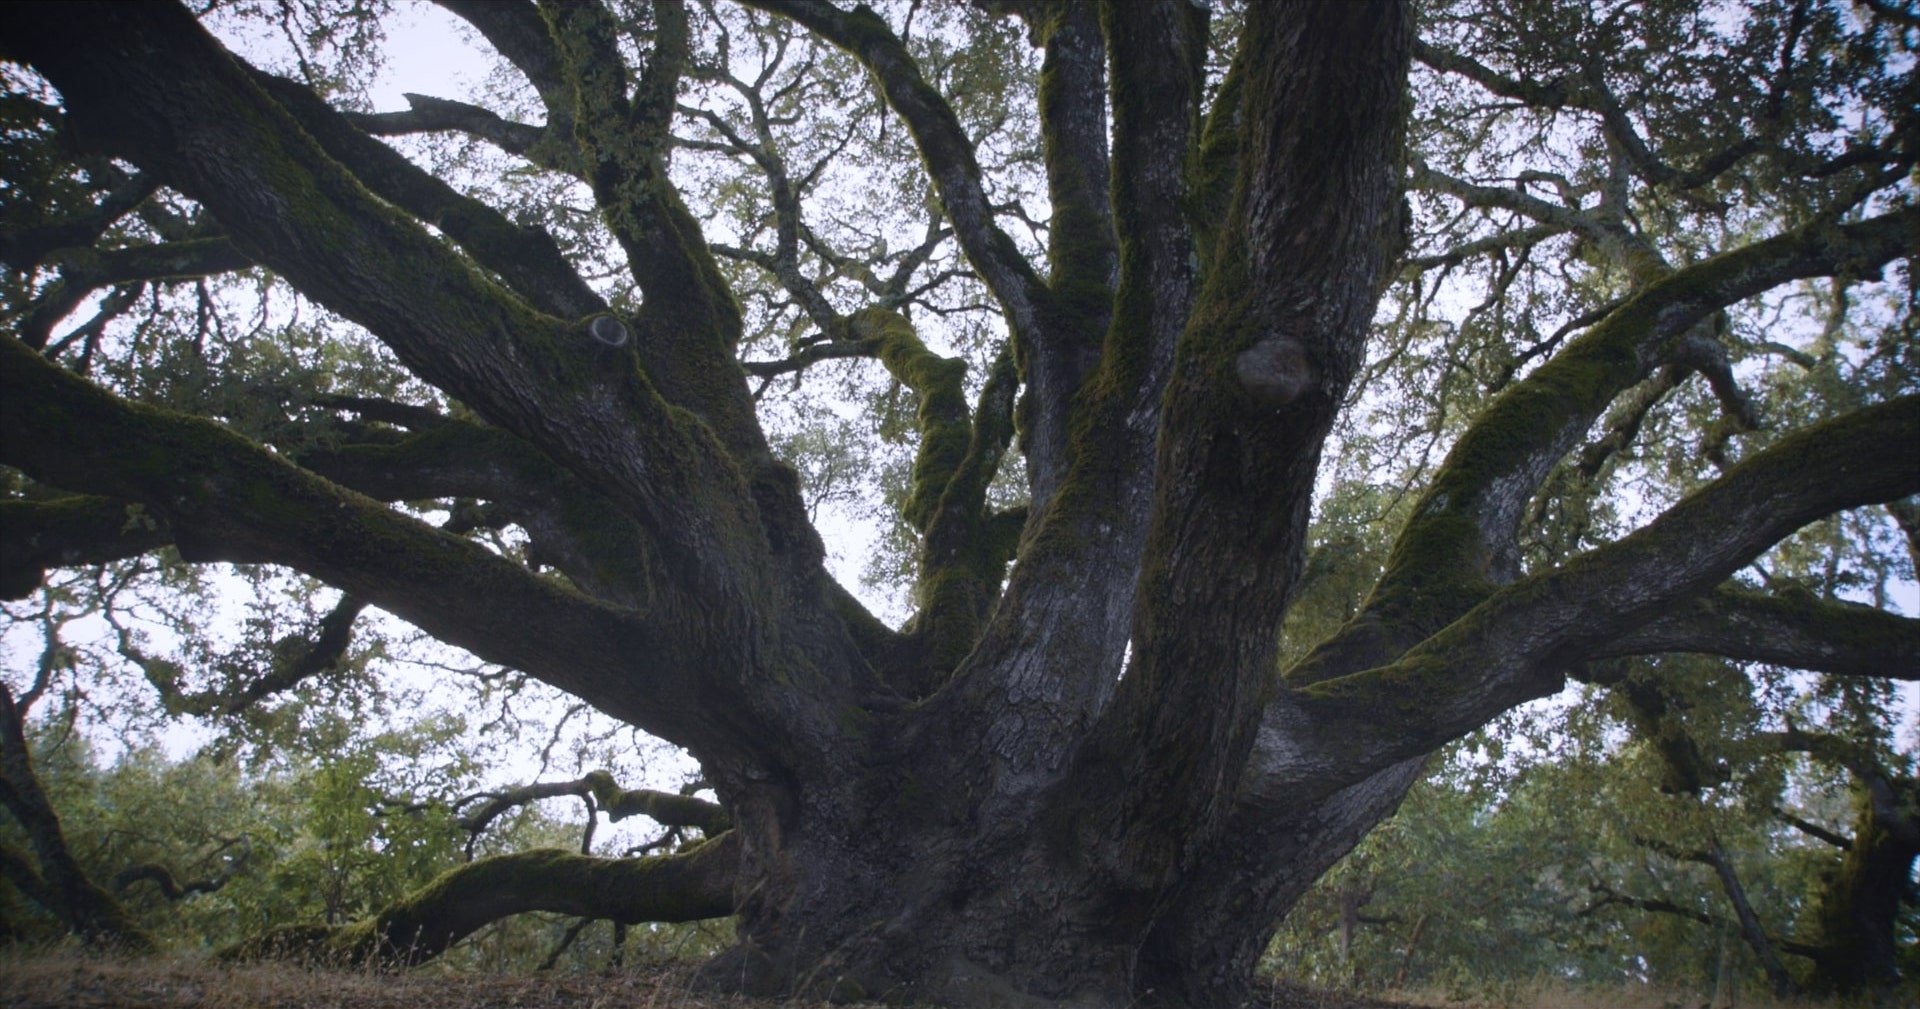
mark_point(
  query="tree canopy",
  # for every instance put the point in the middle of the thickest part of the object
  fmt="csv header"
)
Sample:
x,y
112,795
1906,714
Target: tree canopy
x,y
1245,403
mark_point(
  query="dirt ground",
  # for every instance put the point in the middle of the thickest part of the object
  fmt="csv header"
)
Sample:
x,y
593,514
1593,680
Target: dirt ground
x,y
75,983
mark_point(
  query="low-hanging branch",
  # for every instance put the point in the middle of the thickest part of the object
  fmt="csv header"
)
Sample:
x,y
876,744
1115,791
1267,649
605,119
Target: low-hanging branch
x,y
173,889
690,885
82,437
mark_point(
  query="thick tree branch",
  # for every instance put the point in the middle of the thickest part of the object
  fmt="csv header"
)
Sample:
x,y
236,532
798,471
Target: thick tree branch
x,y
516,29
1261,369
146,78
1082,250
565,519
689,323
689,886
1803,632
69,531
527,259
963,553
1451,553
1517,644
227,499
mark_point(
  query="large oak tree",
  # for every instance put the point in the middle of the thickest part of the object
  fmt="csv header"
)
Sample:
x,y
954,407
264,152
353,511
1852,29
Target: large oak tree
x,y
1078,772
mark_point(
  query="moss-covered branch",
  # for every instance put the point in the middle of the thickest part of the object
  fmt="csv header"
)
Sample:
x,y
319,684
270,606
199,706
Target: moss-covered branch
x,y
1157,52
525,258
621,128
227,499
1517,644
688,886
566,521
1260,371
1083,252
1804,632
68,531
152,83
965,548
1447,557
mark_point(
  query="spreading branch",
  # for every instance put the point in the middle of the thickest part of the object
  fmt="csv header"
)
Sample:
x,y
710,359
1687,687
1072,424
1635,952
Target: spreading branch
x,y
227,499
668,809
1517,644
1460,543
175,891
1802,632
295,659
83,272
525,258
944,144
687,886
69,531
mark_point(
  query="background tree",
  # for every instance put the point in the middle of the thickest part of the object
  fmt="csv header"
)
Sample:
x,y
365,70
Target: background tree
x,y
1120,266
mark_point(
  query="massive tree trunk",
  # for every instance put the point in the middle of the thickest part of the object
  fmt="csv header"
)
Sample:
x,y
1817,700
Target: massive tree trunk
x,y
1081,782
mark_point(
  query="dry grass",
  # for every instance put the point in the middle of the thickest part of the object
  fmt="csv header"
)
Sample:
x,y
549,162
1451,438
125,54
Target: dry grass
x,y
60,981
67,981
1548,994
73,982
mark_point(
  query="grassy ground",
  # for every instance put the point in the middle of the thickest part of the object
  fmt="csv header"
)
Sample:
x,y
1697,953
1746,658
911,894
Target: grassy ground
x,y
71,982
67,981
